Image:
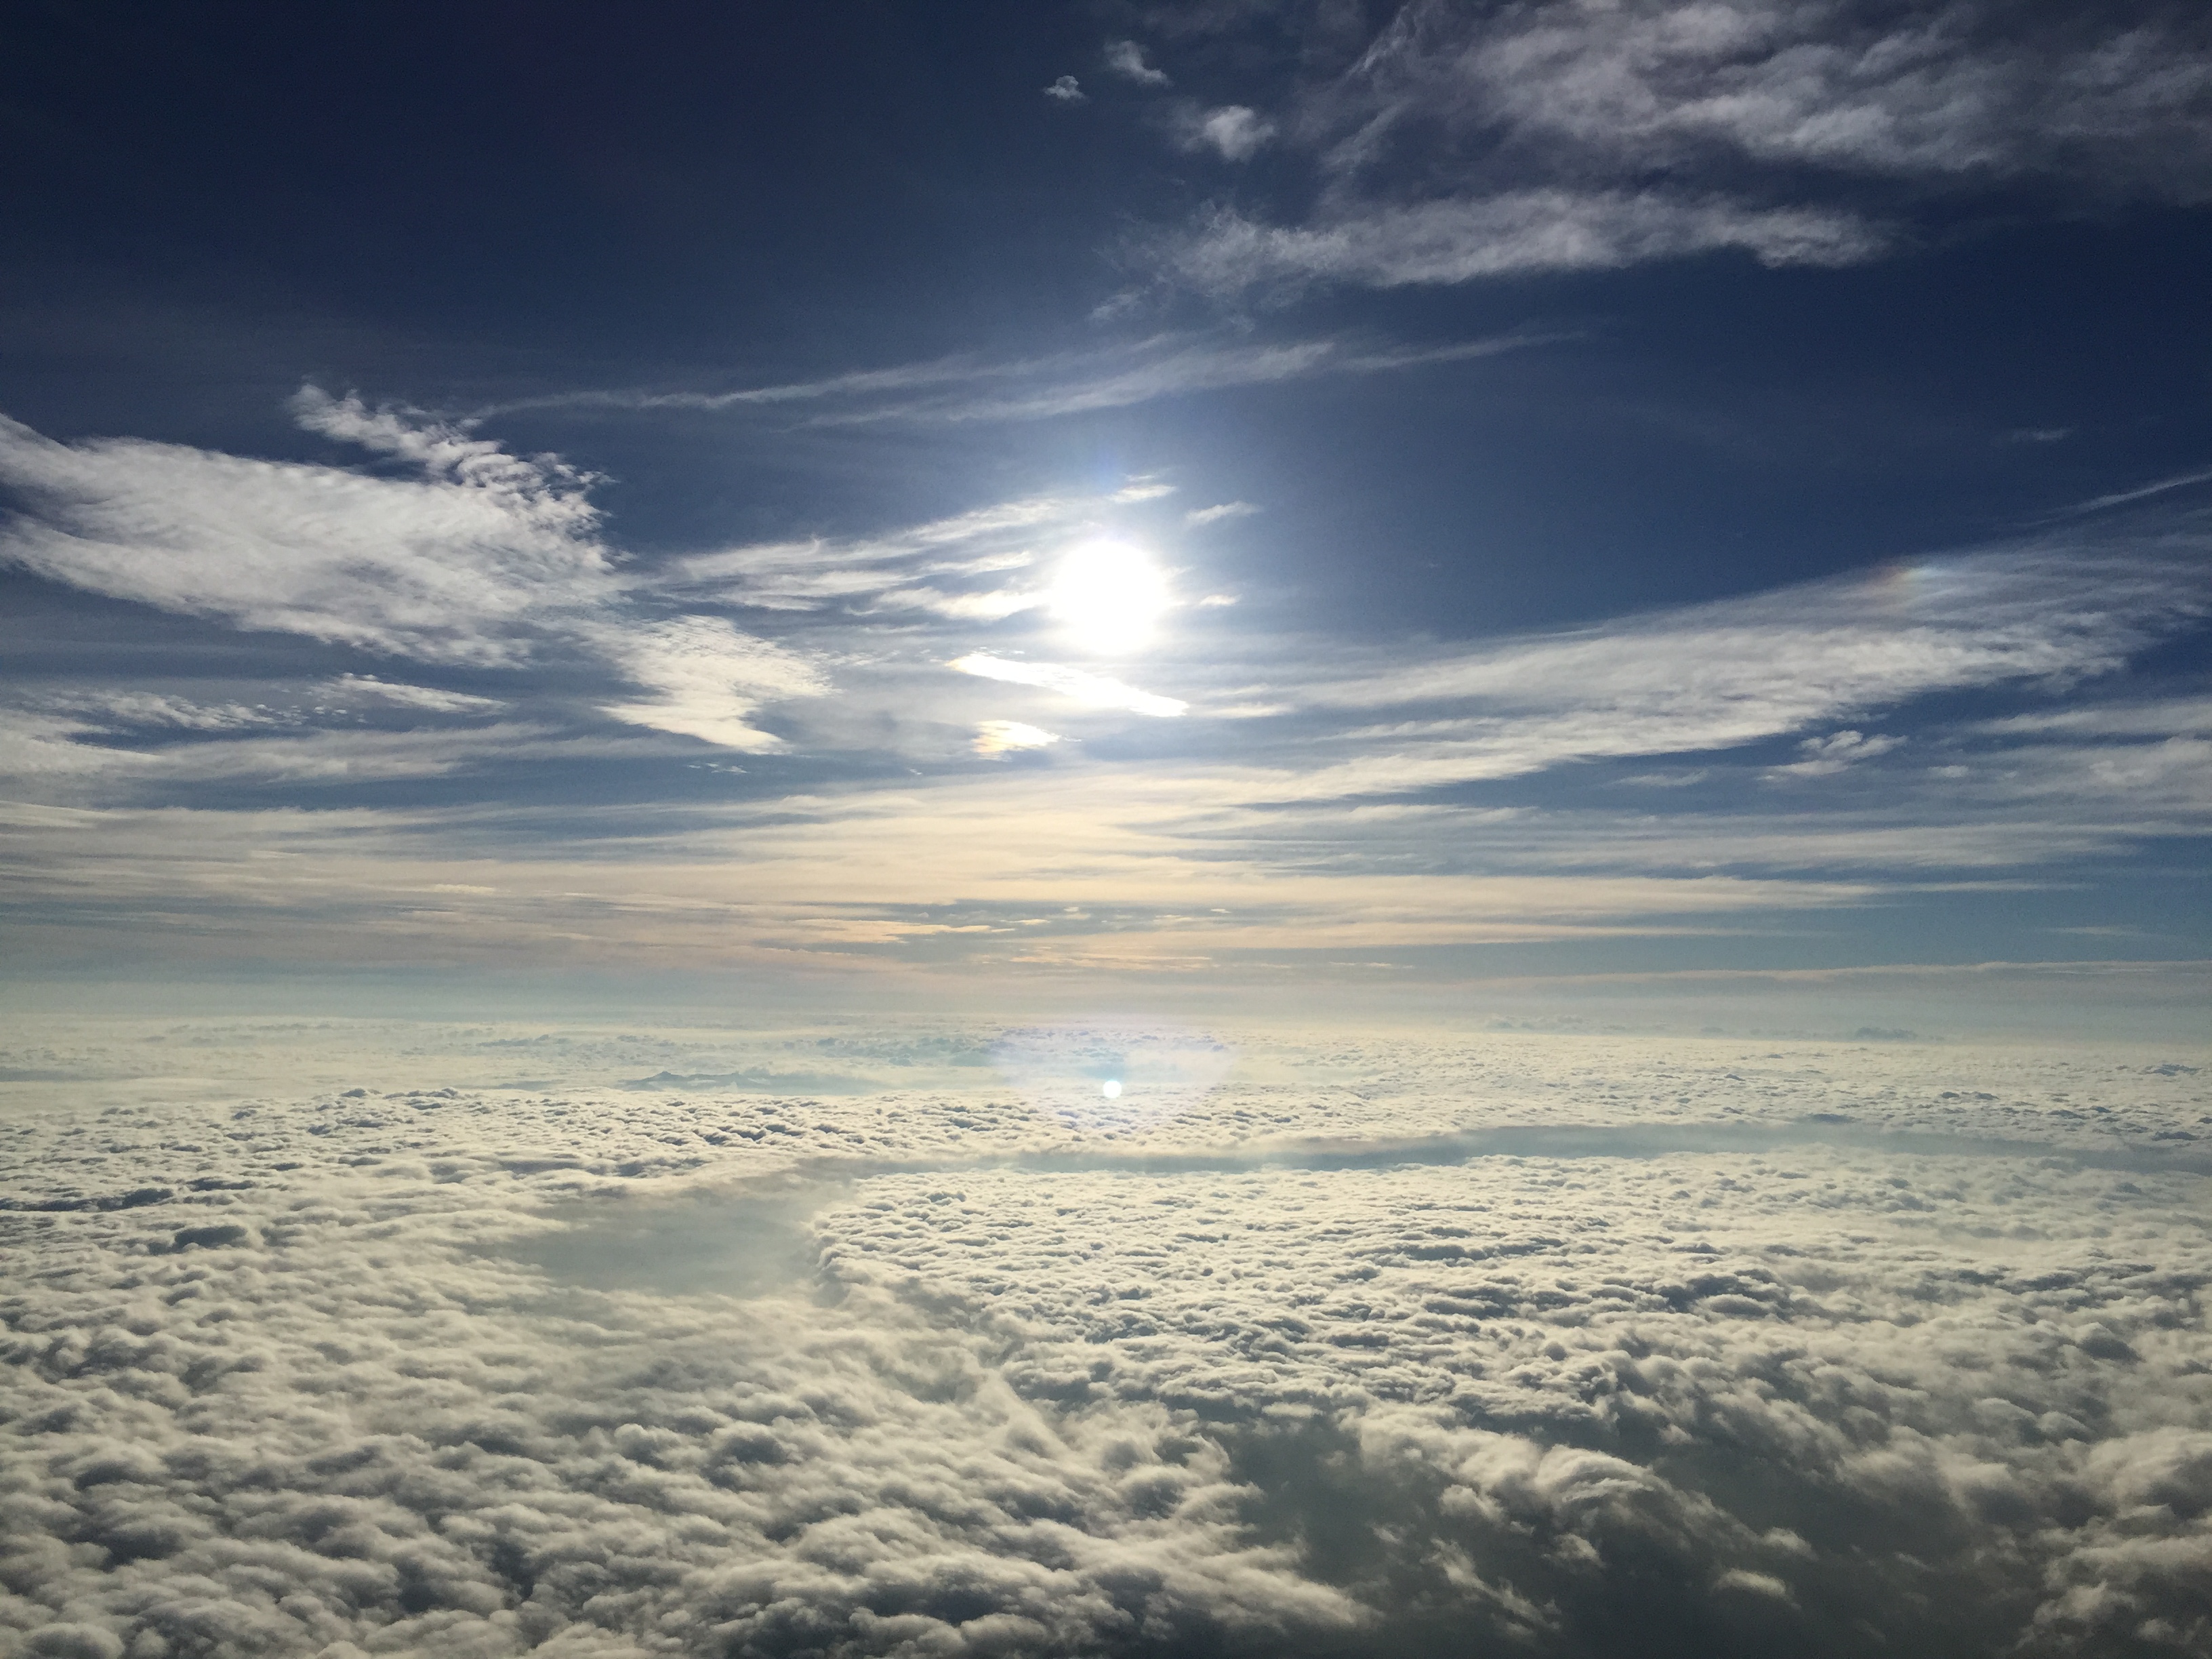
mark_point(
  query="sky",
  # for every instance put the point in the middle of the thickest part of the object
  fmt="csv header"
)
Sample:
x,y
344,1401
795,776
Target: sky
x,y
1703,502
841,830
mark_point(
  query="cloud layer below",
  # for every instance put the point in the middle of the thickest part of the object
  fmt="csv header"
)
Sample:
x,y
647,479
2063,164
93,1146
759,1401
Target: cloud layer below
x,y
324,1344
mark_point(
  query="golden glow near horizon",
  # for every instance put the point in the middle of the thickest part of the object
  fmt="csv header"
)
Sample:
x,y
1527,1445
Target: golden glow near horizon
x,y
1110,596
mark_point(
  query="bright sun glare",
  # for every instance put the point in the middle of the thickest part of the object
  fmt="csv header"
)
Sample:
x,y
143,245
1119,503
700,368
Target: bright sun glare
x,y
1110,595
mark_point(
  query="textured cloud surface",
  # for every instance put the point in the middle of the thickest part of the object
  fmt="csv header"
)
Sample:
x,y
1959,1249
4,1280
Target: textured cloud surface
x,y
1575,1346
1458,142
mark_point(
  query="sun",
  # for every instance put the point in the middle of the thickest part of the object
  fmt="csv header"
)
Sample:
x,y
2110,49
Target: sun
x,y
1110,596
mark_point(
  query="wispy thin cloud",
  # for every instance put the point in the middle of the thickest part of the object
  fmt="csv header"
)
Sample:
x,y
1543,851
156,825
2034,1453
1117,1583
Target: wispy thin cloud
x,y
1314,794
1458,143
468,563
2158,718
35,746
1187,371
484,559
1441,243
402,694
955,567
708,680
2141,493
124,711
1837,752
1221,511
960,389
1077,685
903,377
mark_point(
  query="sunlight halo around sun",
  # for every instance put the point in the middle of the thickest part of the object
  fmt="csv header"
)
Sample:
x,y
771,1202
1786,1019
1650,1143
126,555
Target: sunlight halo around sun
x,y
1111,597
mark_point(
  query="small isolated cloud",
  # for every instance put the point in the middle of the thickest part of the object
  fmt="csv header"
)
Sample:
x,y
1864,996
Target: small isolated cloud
x,y
1743,1581
711,680
1093,690
1233,132
1067,90
411,696
1003,737
1126,59
1216,513
1825,757
1142,489
1213,601
2141,492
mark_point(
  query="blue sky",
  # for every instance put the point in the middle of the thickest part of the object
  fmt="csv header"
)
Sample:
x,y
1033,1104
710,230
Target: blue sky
x,y
1271,498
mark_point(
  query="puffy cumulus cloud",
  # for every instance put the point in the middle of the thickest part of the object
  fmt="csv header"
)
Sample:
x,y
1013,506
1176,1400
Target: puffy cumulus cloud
x,y
1460,141
430,1367
1721,1402
424,1478
1126,59
1235,132
430,1470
